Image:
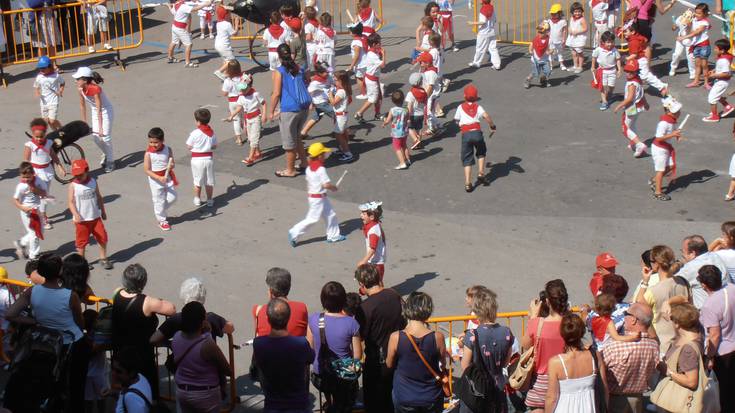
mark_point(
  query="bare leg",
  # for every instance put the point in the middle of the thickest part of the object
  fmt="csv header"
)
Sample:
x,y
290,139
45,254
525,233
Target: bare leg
x,y
103,251
210,190
467,173
197,191
659,178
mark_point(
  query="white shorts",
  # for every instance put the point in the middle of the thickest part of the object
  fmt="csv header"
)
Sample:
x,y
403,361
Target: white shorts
x,y
274,61
49,111
340,124
202,171
96,19
661,158
732,167
372,90
360,72
94,386
253,129
609,76
718,90
601,28
556,47
225,52
180,36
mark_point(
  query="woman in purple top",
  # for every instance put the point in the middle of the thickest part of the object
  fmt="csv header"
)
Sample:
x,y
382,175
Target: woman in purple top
x,y
342,334
200,363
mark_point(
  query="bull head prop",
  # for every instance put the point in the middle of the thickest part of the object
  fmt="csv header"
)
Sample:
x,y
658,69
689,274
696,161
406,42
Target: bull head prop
x,y
259,11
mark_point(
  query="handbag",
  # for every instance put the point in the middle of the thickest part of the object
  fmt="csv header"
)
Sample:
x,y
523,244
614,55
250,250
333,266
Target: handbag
x,y
676,398
477,386
520,371
442,378
171,361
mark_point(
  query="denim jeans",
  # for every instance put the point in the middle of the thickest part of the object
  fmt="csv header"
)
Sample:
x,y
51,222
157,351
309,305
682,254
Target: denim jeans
x,y
540,67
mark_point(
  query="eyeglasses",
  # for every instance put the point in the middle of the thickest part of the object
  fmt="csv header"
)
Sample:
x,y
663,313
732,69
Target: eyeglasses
x,y
626,313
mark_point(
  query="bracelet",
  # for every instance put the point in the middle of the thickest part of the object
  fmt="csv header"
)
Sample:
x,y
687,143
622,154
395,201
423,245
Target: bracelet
x,y
644,284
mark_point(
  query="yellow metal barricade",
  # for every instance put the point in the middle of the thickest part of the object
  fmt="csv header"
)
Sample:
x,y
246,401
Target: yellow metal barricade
x,y
517,19
70,30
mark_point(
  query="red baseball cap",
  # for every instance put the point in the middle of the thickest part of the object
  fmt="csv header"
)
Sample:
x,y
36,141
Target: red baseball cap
x,y
294,23
425,57
606,260
79,166
631,66
470,93
221,13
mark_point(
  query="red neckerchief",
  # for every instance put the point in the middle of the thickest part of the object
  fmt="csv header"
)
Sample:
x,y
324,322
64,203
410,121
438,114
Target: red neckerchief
x,y
328,31
319,78
40,147
248,92
540,44
315,164
470,108
154,150
365,13
420,94
635,79
577,18
314,22
30,182
366,227
599,326
362,39
275,30
555,18
595,3
206,129
727,56
349,98
178,4
487,10
668,118
84,182
377,50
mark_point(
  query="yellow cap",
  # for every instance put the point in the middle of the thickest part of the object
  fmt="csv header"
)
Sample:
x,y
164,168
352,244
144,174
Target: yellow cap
x,y
317,148
3,273
555,8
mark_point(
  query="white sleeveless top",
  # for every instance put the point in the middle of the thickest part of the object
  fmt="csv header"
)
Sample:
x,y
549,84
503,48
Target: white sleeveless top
x,y
576,395
85,199
159,160
634,108
41,155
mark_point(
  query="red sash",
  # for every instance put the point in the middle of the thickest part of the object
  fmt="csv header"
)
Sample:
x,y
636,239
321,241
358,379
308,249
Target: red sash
x,y
372,77
179,25
35,223
171,175
470,108
200,154
253,114
596,83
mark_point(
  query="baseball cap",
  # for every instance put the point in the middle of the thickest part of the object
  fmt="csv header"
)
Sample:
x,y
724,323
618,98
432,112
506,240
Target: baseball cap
x,y
415,79
317,148
470,92
295,24
425,57
79,166
83,71
606,260
555,8
631,66
43,62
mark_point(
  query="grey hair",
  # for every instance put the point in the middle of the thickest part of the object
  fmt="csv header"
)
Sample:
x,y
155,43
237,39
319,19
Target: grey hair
x,y
278,281
645,319
134,279
192,289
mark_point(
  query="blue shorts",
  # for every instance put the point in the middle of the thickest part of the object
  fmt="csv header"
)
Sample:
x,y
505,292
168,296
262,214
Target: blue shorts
x,y
702,52
322,109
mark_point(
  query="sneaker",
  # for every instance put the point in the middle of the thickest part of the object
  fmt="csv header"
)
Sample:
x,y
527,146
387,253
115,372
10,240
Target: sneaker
x,y
90,49
164,225
103,160
408,162
210,203
604,105
361,97
661,197
291,240
577,70
455,48
640,151
202,36
197,201
20,251
346,157
562,67
495,67
472,64
211,36
379,117
728,110
358,117
672,73
445,85
48,225
106,264
652,185
527,83
338,239
107,46
711,118
729,198
221,76
109,168
543,81
439,113
401,167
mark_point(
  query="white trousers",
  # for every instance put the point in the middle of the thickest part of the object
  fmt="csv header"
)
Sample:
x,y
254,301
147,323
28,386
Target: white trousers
x,y
629,126
431,103
203,22
44,203
647,76
319,208
30,240
237,122
486,44
105,142
163,197
680,49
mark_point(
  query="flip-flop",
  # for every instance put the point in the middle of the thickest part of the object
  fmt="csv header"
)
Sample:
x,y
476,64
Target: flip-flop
x,y
416,145
281,174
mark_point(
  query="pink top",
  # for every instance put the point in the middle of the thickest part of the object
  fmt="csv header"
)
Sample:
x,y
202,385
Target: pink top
x,y
192,369
550,344
644,8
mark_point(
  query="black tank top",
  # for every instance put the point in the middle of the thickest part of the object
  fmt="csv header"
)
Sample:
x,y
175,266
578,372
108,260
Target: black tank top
x,y
130,327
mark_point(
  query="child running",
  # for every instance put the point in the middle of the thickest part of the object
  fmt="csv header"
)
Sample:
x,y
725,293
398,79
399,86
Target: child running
x,y
317,185
40,153
233,76
158,164
416,102
374,62
486,36
88,211
28,196
398,120
49,88
637,46
91,93
201,143
540,61
577,38
253,107
633,103
468,117
721,76
340,97
557,33
662,151
683,26
370,214
606,68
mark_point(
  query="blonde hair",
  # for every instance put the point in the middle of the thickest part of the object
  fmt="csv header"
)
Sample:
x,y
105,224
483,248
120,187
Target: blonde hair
x,y
485,305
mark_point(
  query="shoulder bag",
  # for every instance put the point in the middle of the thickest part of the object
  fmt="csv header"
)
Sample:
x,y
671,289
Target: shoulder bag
x,y
521,370
477,386
442,379
676,398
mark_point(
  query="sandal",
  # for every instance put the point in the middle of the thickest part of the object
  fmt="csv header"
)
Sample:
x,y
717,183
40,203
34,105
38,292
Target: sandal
x,y
283,174
173,60
652,185
416,145
661,197
729,198
468,187
248,162
482,179
191,65
239,141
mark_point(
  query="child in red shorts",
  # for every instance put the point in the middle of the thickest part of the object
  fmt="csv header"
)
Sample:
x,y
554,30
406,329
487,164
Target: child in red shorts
x,y
88,211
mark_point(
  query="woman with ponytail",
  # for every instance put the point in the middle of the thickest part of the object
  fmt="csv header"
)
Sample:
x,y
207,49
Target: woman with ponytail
x,y
290,93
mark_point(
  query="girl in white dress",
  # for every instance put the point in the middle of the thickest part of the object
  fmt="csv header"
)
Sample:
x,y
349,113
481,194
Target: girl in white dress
x,y
577,36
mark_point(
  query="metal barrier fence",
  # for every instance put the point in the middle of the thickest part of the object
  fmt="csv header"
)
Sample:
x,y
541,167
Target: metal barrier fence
x,y
70,30
16,287
517,19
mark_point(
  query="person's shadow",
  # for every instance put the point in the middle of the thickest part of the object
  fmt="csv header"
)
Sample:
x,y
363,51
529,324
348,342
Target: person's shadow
x,y
414,283
694,177
503,169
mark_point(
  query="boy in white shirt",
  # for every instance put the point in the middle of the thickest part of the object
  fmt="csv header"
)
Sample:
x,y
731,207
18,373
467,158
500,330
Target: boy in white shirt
x,y
374,63
358,49
27,198
158,164
606,68
432,85
253,108
662,151
311,25
201,143
319,86
557,33
317,185
87,208
486,37
274,36
416,102
48,87
182,11
721,76
468,117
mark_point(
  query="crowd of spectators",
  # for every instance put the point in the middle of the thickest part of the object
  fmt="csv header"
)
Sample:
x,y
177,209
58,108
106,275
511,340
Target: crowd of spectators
x,y
673,335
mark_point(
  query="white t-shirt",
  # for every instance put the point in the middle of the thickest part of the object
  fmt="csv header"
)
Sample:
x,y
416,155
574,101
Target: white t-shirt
x,y
556,30
200,142
606,58
324,42
375,239
431,78
133,402
224,32
722,66
372,63
690,270
696,24
271,41
437,60
599,11
315,180
25,196
85,199
40,155
728,257
310,28
419,108
664,128
342,105
487,24
89,95
182,12
229,85
464,119
250,103
357,43
159,160
49,86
